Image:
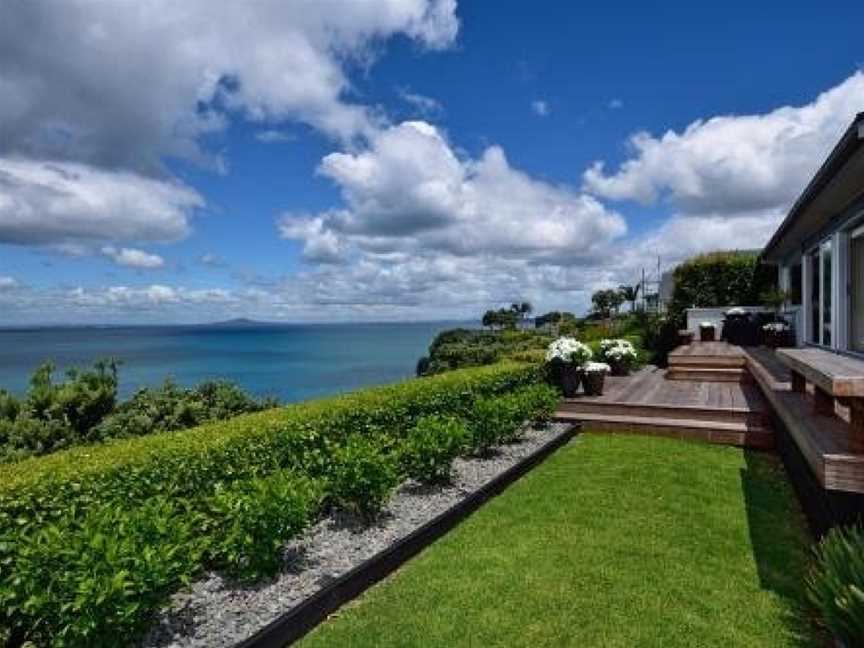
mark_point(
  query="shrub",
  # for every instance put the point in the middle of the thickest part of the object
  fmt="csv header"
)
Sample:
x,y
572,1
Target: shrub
x,y
92,539
249,523
457,348
191,462
171,407
837,584
720,279
362,476
539,403
431,446
491,421
84,409
88,584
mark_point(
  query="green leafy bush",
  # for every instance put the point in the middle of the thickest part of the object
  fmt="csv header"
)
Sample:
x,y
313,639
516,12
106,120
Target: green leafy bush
x,y
458,348
490,421
720,279
539,403
362,476
88,583
836,584
171,407
84,409
431,446
191,462
56,415
93,538
248,523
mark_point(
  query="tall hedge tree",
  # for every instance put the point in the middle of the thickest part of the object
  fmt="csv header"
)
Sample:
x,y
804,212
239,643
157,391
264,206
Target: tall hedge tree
x,y
720,279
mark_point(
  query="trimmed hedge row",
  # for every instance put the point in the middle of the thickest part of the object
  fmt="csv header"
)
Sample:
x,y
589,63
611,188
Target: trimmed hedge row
x,y
189,462
92,541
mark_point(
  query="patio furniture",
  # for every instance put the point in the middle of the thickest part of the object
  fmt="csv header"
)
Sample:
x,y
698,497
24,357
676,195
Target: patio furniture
x,y
833,376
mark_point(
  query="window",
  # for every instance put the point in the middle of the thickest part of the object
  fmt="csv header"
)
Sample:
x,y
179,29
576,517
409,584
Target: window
x,y
813,261
795,285
826,293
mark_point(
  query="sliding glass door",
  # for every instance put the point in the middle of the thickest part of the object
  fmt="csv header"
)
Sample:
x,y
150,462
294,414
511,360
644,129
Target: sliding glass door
x,y
815,306
820,294
856,291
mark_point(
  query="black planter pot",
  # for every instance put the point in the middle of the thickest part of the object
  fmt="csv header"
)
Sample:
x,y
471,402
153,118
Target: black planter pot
x,y
571,376
619,368
593,382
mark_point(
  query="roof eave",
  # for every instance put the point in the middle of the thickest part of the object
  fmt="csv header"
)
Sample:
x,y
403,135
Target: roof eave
x,y
845,148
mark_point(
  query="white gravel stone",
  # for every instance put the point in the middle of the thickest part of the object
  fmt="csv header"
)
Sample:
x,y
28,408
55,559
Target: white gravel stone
x,y
216,612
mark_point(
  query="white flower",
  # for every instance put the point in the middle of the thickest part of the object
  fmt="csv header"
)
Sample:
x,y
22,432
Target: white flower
x,y
777,327
736,310
596,367
567,349
706,325
617,350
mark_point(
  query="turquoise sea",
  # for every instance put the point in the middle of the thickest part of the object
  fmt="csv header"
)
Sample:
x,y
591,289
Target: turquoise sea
x,y
290,362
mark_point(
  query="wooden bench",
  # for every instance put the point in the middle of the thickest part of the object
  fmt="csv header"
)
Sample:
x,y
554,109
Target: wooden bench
x,y
832,376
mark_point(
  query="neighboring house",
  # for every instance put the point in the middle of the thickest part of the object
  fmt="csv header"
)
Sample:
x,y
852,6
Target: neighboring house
x,y
819,249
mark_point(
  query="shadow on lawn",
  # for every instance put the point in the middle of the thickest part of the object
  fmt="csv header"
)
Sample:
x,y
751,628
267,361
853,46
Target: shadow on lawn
x,y
780,540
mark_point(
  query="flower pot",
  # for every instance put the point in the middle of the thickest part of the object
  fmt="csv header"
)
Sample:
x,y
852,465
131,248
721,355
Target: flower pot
x,y
571,376
593,381
619,368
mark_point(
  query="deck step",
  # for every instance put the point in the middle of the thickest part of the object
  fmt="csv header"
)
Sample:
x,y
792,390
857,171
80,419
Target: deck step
x,y
722,432
707,361
709,374
666,411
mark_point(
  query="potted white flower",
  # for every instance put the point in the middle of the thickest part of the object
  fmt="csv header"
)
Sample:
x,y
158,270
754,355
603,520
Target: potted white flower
x,y
706,331
567,356
777,334
593,378
619,354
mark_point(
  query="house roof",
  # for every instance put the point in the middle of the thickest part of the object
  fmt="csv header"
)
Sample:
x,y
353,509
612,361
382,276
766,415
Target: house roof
x,y
837,183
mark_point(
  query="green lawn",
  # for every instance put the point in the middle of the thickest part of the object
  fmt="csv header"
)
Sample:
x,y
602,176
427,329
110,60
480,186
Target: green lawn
x,y
613,541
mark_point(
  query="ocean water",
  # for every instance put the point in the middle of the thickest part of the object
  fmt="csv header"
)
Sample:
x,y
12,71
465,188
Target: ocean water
x,y
290,362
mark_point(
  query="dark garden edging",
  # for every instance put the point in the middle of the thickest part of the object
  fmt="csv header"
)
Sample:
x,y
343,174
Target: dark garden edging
x,y
297,622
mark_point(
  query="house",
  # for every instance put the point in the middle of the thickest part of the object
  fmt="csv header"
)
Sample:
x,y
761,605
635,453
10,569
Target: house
x,y
819,249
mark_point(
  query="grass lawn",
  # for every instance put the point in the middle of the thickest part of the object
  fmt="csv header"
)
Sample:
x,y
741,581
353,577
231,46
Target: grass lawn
x,y
613,541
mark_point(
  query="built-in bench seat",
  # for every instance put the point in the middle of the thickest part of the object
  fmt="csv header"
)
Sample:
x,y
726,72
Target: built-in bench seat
x,y
832,376
829,444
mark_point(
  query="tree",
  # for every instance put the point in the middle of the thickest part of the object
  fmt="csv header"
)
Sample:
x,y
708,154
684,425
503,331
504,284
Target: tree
x,y
606,301
490,318
630,294
525,308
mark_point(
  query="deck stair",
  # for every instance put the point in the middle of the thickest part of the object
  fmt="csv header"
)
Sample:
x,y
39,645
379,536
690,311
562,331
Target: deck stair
x,y
647,403
709,362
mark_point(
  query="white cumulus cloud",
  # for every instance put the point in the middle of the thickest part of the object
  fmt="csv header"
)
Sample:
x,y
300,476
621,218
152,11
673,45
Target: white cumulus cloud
x,y
409,192
56,203
733,164
124,83
132,258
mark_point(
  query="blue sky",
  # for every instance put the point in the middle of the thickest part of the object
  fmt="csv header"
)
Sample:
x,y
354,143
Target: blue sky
x,y
396,159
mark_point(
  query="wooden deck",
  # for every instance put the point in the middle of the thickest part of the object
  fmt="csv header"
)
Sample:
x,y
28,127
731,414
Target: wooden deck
x,y
695,404
647,402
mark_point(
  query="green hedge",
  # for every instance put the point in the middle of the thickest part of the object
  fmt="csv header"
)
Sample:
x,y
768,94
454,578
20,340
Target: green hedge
x,y
720,279
193,461
92,540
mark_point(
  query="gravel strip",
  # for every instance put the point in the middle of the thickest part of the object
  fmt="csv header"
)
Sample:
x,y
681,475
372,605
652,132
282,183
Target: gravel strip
x,y
219,612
